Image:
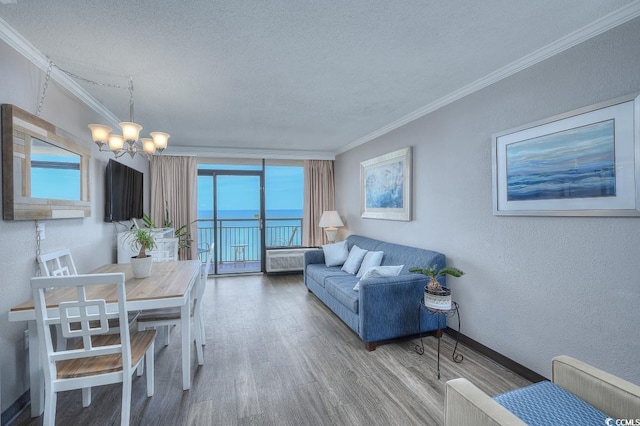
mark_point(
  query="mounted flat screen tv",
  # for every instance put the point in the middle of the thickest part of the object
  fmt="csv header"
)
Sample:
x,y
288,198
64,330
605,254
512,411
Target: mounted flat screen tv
x,y
123,193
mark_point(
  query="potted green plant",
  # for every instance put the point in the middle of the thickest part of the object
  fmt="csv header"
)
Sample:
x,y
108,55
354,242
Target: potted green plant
x,y
141,239
435,296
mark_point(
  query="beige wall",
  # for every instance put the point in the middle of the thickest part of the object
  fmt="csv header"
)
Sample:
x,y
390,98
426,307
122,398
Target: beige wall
x,y
535,287
92,242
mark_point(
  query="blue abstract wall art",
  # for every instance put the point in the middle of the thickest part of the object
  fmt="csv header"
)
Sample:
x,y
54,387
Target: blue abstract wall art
x,y
384,186
574,163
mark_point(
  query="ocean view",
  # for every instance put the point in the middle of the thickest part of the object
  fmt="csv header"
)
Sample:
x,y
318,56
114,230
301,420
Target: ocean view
x,y
250,214
241,227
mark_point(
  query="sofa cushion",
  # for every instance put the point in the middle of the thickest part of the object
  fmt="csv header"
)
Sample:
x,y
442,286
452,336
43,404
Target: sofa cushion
x,y
352,264
341,287
319,273
335,254
546,403
362,242
371,259
396,254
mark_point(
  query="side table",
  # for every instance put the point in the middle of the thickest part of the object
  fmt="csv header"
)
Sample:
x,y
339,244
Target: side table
x,y
441,315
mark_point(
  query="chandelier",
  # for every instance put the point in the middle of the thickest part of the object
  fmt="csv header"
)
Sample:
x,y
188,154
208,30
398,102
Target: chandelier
x,y
148,147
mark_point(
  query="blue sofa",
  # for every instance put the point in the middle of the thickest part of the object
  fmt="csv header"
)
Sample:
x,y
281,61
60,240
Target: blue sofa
x,y
383,308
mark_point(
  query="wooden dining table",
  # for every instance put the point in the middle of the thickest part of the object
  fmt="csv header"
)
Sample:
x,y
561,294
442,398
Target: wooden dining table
x,y
168,286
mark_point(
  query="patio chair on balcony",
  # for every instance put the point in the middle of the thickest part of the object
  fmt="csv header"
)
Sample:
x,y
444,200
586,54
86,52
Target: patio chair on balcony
x,y
282,242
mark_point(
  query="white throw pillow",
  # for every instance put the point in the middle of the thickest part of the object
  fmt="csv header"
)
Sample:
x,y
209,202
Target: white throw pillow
x,y
335,254
371,259
379,272
352,264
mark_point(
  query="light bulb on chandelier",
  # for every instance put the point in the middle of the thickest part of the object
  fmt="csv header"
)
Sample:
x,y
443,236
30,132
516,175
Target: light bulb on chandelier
x,y
102,136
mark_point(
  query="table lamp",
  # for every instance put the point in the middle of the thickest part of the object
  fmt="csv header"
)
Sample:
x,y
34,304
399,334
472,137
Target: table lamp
x,y
330,221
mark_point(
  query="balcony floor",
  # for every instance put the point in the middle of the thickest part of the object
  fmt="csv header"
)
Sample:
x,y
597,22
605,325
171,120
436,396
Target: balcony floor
x,y
238,267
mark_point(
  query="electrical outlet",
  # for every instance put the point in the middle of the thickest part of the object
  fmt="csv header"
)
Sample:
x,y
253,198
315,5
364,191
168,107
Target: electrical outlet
x,y
41,233
26,340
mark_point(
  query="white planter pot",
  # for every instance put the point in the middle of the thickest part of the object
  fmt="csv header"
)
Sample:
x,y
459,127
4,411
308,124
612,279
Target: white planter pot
x,y
437,300
141,268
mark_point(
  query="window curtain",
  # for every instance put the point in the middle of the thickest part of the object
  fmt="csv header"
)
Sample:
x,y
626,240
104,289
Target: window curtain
x,y
319,195
174,193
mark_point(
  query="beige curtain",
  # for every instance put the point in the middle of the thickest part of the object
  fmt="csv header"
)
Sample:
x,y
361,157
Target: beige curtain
x,y
173,191
319,194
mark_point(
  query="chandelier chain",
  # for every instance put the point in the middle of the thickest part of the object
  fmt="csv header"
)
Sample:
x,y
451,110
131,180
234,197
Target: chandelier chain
x,y
38,272
86,80
44,88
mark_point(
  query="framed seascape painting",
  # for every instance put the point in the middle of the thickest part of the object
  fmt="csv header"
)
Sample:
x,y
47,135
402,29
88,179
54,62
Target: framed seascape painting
x,y
582,163
385,186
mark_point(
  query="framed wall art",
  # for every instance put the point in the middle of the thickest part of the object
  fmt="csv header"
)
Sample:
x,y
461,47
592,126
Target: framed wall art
x,y
582,163
385,186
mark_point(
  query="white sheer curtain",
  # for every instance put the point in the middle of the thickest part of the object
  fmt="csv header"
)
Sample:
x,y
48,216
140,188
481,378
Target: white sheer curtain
x,y
173,190
319,195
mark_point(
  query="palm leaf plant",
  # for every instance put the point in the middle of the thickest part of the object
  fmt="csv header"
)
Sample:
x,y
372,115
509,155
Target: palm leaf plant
x,y
434,273
141,239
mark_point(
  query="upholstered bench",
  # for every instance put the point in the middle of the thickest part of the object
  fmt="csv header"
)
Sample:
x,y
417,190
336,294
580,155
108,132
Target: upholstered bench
x,y
545,403
579,394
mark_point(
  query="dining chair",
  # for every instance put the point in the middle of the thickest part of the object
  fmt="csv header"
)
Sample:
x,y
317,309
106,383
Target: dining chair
x,y
170,317
100,357
57,263
60,263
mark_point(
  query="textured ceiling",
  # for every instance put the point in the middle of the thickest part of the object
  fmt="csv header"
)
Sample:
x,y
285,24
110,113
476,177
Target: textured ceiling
x,y
317,76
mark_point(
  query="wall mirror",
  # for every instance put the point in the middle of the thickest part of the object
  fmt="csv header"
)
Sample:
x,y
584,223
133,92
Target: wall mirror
x,y
45,175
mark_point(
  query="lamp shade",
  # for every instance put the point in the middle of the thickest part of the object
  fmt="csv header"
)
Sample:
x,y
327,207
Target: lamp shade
x,y
100,133
160,139
116,142
130,131
148,146
330,219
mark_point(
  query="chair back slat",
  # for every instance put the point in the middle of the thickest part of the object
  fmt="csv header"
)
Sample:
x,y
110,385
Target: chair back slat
x,y
82,353
77,319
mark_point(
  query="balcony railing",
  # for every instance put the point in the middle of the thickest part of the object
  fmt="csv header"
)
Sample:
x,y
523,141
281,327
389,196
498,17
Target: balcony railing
x,y
242,236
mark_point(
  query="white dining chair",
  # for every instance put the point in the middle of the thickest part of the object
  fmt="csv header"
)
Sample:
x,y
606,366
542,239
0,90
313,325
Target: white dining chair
x,y
60,263
168,318
57,263
100,358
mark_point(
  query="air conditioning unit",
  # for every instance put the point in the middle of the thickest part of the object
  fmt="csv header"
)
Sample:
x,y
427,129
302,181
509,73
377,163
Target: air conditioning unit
x,y
286,260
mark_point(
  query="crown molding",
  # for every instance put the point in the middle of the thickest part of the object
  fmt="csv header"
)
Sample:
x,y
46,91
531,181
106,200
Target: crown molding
x,y
612,20
29,51
270,154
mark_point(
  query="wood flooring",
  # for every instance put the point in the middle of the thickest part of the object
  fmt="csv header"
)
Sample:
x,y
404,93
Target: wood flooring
x,y
275,355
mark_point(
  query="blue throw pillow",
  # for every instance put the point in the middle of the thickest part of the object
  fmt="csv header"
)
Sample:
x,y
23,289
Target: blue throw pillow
x,y
335,254
371,259
352,264
380,272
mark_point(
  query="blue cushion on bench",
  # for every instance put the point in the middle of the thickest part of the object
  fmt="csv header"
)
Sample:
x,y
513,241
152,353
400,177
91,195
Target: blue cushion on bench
x,y
546,403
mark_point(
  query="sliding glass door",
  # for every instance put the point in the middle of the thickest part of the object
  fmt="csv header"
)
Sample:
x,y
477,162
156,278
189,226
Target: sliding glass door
x,y
231,214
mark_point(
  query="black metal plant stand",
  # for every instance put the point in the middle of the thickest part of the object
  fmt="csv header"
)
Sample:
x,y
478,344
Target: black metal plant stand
x,y
442,315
